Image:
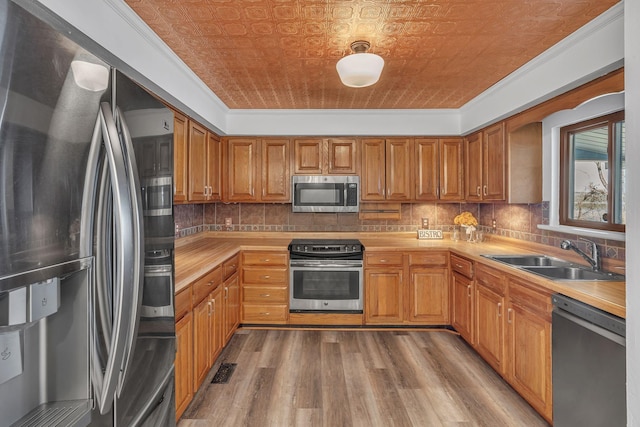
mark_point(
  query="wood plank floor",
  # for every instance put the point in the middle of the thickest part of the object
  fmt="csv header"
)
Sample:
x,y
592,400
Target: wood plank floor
x,y
356,378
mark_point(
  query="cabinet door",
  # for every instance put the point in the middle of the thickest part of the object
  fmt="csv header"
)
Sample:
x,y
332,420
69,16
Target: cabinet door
x,y
451,169
383,295
427,170
462,306
307,156
214,167
529,346
341,156
180,159
490,327
493,156
473,167
429,296
231,306
216,324
372,177
184,364
399,166
276,185
201,346
243,167
198,186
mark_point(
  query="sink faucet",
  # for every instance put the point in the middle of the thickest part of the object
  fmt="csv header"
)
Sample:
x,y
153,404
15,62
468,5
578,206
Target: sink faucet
x,y
593,260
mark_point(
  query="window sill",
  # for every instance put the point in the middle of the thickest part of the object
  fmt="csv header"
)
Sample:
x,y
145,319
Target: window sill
x,y
585,232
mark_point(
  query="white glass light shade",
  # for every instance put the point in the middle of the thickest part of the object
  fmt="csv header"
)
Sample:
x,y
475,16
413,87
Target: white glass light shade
x,y
360,69
92,77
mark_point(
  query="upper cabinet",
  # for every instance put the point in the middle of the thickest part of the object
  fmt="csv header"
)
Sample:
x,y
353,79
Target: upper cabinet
x,y
197,157
324,156
257,170
205,155
485,164
386,169
180,159
439,169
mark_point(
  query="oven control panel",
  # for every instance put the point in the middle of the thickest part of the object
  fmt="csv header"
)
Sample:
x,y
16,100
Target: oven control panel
x,y
326,248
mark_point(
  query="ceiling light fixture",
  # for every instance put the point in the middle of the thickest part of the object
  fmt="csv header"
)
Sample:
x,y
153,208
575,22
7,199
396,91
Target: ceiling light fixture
x,y
360,69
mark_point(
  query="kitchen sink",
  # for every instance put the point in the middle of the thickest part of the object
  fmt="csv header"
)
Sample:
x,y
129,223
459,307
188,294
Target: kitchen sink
x,y
555,268
573,273
528,260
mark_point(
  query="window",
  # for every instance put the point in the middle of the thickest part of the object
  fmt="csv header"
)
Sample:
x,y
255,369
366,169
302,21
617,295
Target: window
x,y
592,173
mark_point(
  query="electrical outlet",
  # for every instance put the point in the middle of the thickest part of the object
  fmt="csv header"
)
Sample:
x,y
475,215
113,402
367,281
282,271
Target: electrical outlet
x,y
228,222
425,223
493,224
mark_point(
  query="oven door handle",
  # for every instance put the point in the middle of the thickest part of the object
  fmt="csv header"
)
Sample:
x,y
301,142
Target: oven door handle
x,y
325,265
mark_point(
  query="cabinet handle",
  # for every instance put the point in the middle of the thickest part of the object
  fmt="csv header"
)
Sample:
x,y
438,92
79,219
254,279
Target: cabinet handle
x,y
226,292
484,190
469,291
210,283
383,260
458,266
499,309
265,295
509,315
265,314
478,191
210,308
214,305
266,277
266,260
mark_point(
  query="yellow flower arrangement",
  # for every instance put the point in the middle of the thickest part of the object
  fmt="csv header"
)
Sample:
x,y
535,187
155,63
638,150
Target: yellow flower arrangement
x,y
465,218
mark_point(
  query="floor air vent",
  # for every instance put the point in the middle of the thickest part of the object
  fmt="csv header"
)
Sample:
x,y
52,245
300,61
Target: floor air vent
x,y
224,373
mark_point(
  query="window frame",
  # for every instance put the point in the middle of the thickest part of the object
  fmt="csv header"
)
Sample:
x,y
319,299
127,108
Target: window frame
x,y
610,121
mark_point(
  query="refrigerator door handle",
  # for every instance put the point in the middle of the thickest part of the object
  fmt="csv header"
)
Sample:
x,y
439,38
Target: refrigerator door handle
x,y
107,379
138,241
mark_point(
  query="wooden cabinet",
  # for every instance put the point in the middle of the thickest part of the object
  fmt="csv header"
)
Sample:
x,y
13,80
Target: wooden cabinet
x,y
439,169
489,316
257,170
184,351
428,296
265,287
383,287
386,169
462,297
325,156
485,164
204,327
529,344
231,298
276,174
180,158
205,157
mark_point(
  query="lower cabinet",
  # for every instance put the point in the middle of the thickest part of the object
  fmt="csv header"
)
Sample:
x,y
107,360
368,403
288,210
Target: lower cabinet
x,y
489,315
265,289
406,288
184,364
204,327
529,344
462,297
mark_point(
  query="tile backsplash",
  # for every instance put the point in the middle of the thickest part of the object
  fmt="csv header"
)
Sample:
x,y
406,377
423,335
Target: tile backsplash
x,y
517,221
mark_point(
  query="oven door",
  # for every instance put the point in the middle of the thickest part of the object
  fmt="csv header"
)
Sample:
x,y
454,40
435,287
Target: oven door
x,y
326,285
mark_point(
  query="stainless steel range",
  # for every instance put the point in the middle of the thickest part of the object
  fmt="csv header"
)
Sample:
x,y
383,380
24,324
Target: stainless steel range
x,y
326,276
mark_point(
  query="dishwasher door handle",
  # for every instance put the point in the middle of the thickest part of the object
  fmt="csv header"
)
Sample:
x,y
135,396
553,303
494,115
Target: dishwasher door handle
x,y
590,326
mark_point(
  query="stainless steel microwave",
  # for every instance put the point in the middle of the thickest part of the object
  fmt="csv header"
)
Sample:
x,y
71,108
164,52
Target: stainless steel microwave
x,y
319,193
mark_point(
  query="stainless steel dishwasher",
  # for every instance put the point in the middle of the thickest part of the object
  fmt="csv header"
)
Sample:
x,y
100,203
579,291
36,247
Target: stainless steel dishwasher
x,y
589,366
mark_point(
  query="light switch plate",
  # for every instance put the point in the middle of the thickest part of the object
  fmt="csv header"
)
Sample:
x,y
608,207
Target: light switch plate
x,y
429,234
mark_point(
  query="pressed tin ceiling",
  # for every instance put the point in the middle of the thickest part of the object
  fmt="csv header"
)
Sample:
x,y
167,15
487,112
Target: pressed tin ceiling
x,y
281,54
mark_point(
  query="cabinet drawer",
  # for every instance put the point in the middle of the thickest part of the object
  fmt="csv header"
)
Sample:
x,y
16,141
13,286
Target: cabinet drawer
x,y
206,284
265,258
265,294
384,258
183,303
533,299
263,313
432,259
230,266
264,276
462,266
490,278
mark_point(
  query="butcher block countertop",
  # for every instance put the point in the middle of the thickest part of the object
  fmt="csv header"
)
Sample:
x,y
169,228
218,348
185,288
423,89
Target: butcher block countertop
x,y
197,255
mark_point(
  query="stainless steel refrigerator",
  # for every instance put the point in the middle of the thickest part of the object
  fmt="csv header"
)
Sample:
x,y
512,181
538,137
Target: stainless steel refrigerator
x,y
87,331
